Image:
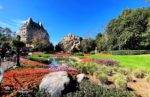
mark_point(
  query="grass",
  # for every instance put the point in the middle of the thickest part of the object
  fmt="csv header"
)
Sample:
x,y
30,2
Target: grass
x,y
129,61
38,57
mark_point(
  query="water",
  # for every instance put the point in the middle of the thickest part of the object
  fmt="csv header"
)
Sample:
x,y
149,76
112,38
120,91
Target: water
x,y
54,62
1,74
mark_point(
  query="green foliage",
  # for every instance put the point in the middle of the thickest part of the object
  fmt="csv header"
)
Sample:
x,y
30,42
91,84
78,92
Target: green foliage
x,y
65,60
148,78
5,38
124,71
105,69
100,42
129,31
139,73
87,45
88,68
120,81
78,54
88,89
130,77
127,52
46,58
102,77
42,45
92,52
18,44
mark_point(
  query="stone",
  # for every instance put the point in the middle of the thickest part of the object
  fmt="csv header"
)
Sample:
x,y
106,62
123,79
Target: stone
x,y
70,43
54,83
32,32
81,77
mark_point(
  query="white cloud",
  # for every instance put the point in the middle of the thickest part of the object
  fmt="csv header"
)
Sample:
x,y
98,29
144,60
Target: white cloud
x,y
13,24
1,7
17,22
3,24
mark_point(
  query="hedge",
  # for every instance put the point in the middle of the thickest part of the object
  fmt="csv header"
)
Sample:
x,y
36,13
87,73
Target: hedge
x,y
127,52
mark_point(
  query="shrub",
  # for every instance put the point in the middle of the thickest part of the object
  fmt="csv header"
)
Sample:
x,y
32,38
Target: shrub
x,y
107,62
92,52
130,77
120,81
139,73
102,77
128,52
148,78
87,89
124,71
105,69
79,54
91,68
87,68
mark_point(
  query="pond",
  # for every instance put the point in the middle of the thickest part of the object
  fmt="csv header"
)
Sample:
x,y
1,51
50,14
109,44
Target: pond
x,y
54,62
57,65
1,74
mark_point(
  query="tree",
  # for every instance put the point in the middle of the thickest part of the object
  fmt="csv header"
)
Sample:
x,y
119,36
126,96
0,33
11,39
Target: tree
x,y
4,47
51,47
58,48
87,45
41,45
129,31
18,45
100,42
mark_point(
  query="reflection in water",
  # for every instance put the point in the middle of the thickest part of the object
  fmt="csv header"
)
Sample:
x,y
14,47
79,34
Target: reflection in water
x,y
54,62
1,74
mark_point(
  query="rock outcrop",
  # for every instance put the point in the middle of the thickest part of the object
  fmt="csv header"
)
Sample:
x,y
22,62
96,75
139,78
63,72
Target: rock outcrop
x,y
32,32
70,43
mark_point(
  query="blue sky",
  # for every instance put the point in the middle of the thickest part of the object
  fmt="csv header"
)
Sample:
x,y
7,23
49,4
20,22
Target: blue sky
x,y
84,18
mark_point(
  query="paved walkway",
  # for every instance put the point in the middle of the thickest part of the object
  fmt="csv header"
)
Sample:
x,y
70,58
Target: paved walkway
x,y
7,64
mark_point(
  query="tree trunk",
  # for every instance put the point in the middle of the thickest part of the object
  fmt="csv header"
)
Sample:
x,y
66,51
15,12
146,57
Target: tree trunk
x,y
18,56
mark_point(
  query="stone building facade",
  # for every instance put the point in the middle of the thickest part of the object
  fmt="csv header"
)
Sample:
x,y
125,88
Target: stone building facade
x,y
31,32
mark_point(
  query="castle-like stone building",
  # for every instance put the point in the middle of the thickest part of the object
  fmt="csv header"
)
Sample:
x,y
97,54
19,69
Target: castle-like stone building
x,y
32,32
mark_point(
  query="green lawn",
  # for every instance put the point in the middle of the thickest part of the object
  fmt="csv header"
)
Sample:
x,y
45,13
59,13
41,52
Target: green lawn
x,y
130,61
37,57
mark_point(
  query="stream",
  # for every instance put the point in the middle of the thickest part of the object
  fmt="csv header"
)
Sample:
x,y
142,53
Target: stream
x,y
1,74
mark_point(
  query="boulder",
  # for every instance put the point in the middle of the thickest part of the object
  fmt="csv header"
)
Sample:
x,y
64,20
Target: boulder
x,y
81,77
55,83
70,43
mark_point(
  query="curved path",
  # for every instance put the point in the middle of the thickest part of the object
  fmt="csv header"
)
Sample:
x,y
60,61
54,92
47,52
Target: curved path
x,y
5,65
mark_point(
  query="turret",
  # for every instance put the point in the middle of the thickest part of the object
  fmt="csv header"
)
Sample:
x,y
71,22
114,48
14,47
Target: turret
x,y
30,19
40,24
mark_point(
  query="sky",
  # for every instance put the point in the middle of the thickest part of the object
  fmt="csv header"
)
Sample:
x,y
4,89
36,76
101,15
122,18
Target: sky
x,y
83,18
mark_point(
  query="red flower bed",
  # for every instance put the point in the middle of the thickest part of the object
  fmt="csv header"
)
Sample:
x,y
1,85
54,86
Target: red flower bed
x,y
87,60
26,62
27,78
